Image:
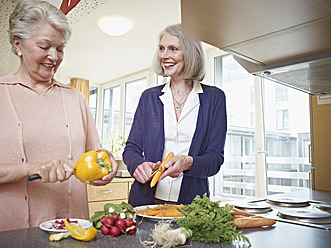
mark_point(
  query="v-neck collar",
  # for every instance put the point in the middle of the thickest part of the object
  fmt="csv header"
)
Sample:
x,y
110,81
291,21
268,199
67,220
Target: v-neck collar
x,y
191,102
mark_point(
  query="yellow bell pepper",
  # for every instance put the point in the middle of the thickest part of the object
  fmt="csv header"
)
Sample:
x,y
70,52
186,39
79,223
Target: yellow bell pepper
x,y
92,165
80,233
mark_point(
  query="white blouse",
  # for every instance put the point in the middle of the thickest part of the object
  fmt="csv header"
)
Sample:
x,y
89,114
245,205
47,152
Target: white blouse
x,y
178,136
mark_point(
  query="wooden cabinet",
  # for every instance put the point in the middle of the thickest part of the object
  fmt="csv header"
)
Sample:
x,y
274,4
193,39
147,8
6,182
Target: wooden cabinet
x,y
115,192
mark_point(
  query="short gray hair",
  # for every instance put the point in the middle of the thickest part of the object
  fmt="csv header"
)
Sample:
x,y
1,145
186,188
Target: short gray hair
x,y
28,14
193,55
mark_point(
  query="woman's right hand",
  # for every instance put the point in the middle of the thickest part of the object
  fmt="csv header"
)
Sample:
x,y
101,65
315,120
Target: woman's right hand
x,y
143,171
52,171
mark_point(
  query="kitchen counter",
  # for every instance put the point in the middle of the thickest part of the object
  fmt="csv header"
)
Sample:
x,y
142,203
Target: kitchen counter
x,y
280,235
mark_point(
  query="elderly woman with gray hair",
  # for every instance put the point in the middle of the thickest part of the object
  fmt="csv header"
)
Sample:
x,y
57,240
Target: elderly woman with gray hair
x,y
183,116
45,127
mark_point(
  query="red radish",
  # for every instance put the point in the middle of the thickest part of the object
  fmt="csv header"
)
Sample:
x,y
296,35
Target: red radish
x,y
121,225
109,222
105,230
103,220
132,231
129,222
115,217
114,231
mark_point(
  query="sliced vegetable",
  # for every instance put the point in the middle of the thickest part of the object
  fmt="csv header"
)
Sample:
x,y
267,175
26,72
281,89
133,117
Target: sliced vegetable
x,y
58,236
80,233
159,172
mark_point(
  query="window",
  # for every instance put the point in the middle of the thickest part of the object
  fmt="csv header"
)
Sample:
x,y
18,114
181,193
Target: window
x,y
120,99
281,92
283,113
110,115
237,175
287,143
133,91
93,101
282,119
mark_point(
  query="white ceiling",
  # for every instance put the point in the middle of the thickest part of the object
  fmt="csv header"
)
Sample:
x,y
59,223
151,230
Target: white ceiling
x,y
98,57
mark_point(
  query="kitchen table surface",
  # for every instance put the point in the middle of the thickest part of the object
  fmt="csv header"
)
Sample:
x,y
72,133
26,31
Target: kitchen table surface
x,y
280,235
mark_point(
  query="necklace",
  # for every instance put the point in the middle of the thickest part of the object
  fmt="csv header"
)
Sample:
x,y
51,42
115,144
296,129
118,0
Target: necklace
x,y
179,103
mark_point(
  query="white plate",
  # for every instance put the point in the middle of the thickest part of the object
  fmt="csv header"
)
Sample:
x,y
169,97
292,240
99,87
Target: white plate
x,y
48,225
152,218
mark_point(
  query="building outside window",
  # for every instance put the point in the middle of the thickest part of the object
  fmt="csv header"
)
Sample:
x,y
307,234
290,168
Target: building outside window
x,y
286,137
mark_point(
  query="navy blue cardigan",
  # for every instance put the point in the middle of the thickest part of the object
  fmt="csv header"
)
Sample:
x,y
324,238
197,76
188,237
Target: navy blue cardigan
x,y
146,143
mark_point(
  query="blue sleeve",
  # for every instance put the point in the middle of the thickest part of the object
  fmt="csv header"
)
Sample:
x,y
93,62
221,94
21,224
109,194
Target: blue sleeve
x,y
133,151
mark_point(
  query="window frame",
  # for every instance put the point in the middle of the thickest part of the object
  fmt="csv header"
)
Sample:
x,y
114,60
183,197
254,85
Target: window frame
x,y
150,81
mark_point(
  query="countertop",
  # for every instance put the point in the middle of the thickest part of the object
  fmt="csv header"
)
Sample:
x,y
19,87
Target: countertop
x,y
280,235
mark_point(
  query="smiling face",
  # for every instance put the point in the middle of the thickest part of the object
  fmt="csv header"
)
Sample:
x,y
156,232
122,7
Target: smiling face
x,y
42,54
171,56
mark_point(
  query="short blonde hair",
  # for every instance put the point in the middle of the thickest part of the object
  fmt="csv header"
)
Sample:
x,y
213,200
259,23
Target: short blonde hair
x,y
193,55
28,14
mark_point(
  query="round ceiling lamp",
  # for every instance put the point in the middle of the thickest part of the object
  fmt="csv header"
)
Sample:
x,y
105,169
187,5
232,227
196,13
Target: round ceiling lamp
x,y
114,25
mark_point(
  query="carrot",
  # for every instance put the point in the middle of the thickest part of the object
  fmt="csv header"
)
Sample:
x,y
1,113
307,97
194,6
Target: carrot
x,y
172,213
157,175
247,222
240,212
166,210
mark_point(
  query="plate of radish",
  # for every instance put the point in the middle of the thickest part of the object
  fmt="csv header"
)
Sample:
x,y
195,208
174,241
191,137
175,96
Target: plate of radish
x,y
57,225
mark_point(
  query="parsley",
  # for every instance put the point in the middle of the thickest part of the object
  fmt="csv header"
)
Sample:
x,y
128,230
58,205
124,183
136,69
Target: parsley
x,y
209,222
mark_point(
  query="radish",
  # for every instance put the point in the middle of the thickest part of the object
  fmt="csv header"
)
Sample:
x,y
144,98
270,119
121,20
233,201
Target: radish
x,y
103,220
114,231
108,222
115,217
121,225
129,222
122,215
132,230
105,230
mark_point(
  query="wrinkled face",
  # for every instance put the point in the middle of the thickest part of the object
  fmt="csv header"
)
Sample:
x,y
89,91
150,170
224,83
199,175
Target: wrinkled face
x,y
171,56
42,54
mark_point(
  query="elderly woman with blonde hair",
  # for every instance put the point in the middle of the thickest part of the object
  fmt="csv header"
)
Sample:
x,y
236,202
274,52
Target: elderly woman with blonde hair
x,y
45,127
183,116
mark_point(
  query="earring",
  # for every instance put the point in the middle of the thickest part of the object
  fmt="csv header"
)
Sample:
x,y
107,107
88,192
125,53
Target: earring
x,y
19,54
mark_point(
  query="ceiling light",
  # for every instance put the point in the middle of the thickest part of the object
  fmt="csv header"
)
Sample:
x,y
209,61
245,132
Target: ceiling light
x,y
114,25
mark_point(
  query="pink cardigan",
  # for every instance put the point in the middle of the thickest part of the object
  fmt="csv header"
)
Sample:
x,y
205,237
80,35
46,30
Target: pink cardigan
x,y
36,127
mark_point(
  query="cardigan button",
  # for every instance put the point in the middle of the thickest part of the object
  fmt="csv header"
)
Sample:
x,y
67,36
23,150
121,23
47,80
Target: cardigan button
x,y
69,156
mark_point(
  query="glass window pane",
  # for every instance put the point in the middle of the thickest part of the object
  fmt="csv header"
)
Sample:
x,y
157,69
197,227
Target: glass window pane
x,y
133,91
93,101
287,125
237,175
110,116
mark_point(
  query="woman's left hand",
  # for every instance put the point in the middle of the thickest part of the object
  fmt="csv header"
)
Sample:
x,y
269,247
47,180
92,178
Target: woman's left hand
x,y
176,165
108,178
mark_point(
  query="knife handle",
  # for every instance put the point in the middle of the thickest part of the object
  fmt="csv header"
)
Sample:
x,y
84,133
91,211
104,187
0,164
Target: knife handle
x,y
34,177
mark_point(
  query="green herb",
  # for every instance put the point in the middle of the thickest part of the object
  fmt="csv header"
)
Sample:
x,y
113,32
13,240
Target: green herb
x,y
209,222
